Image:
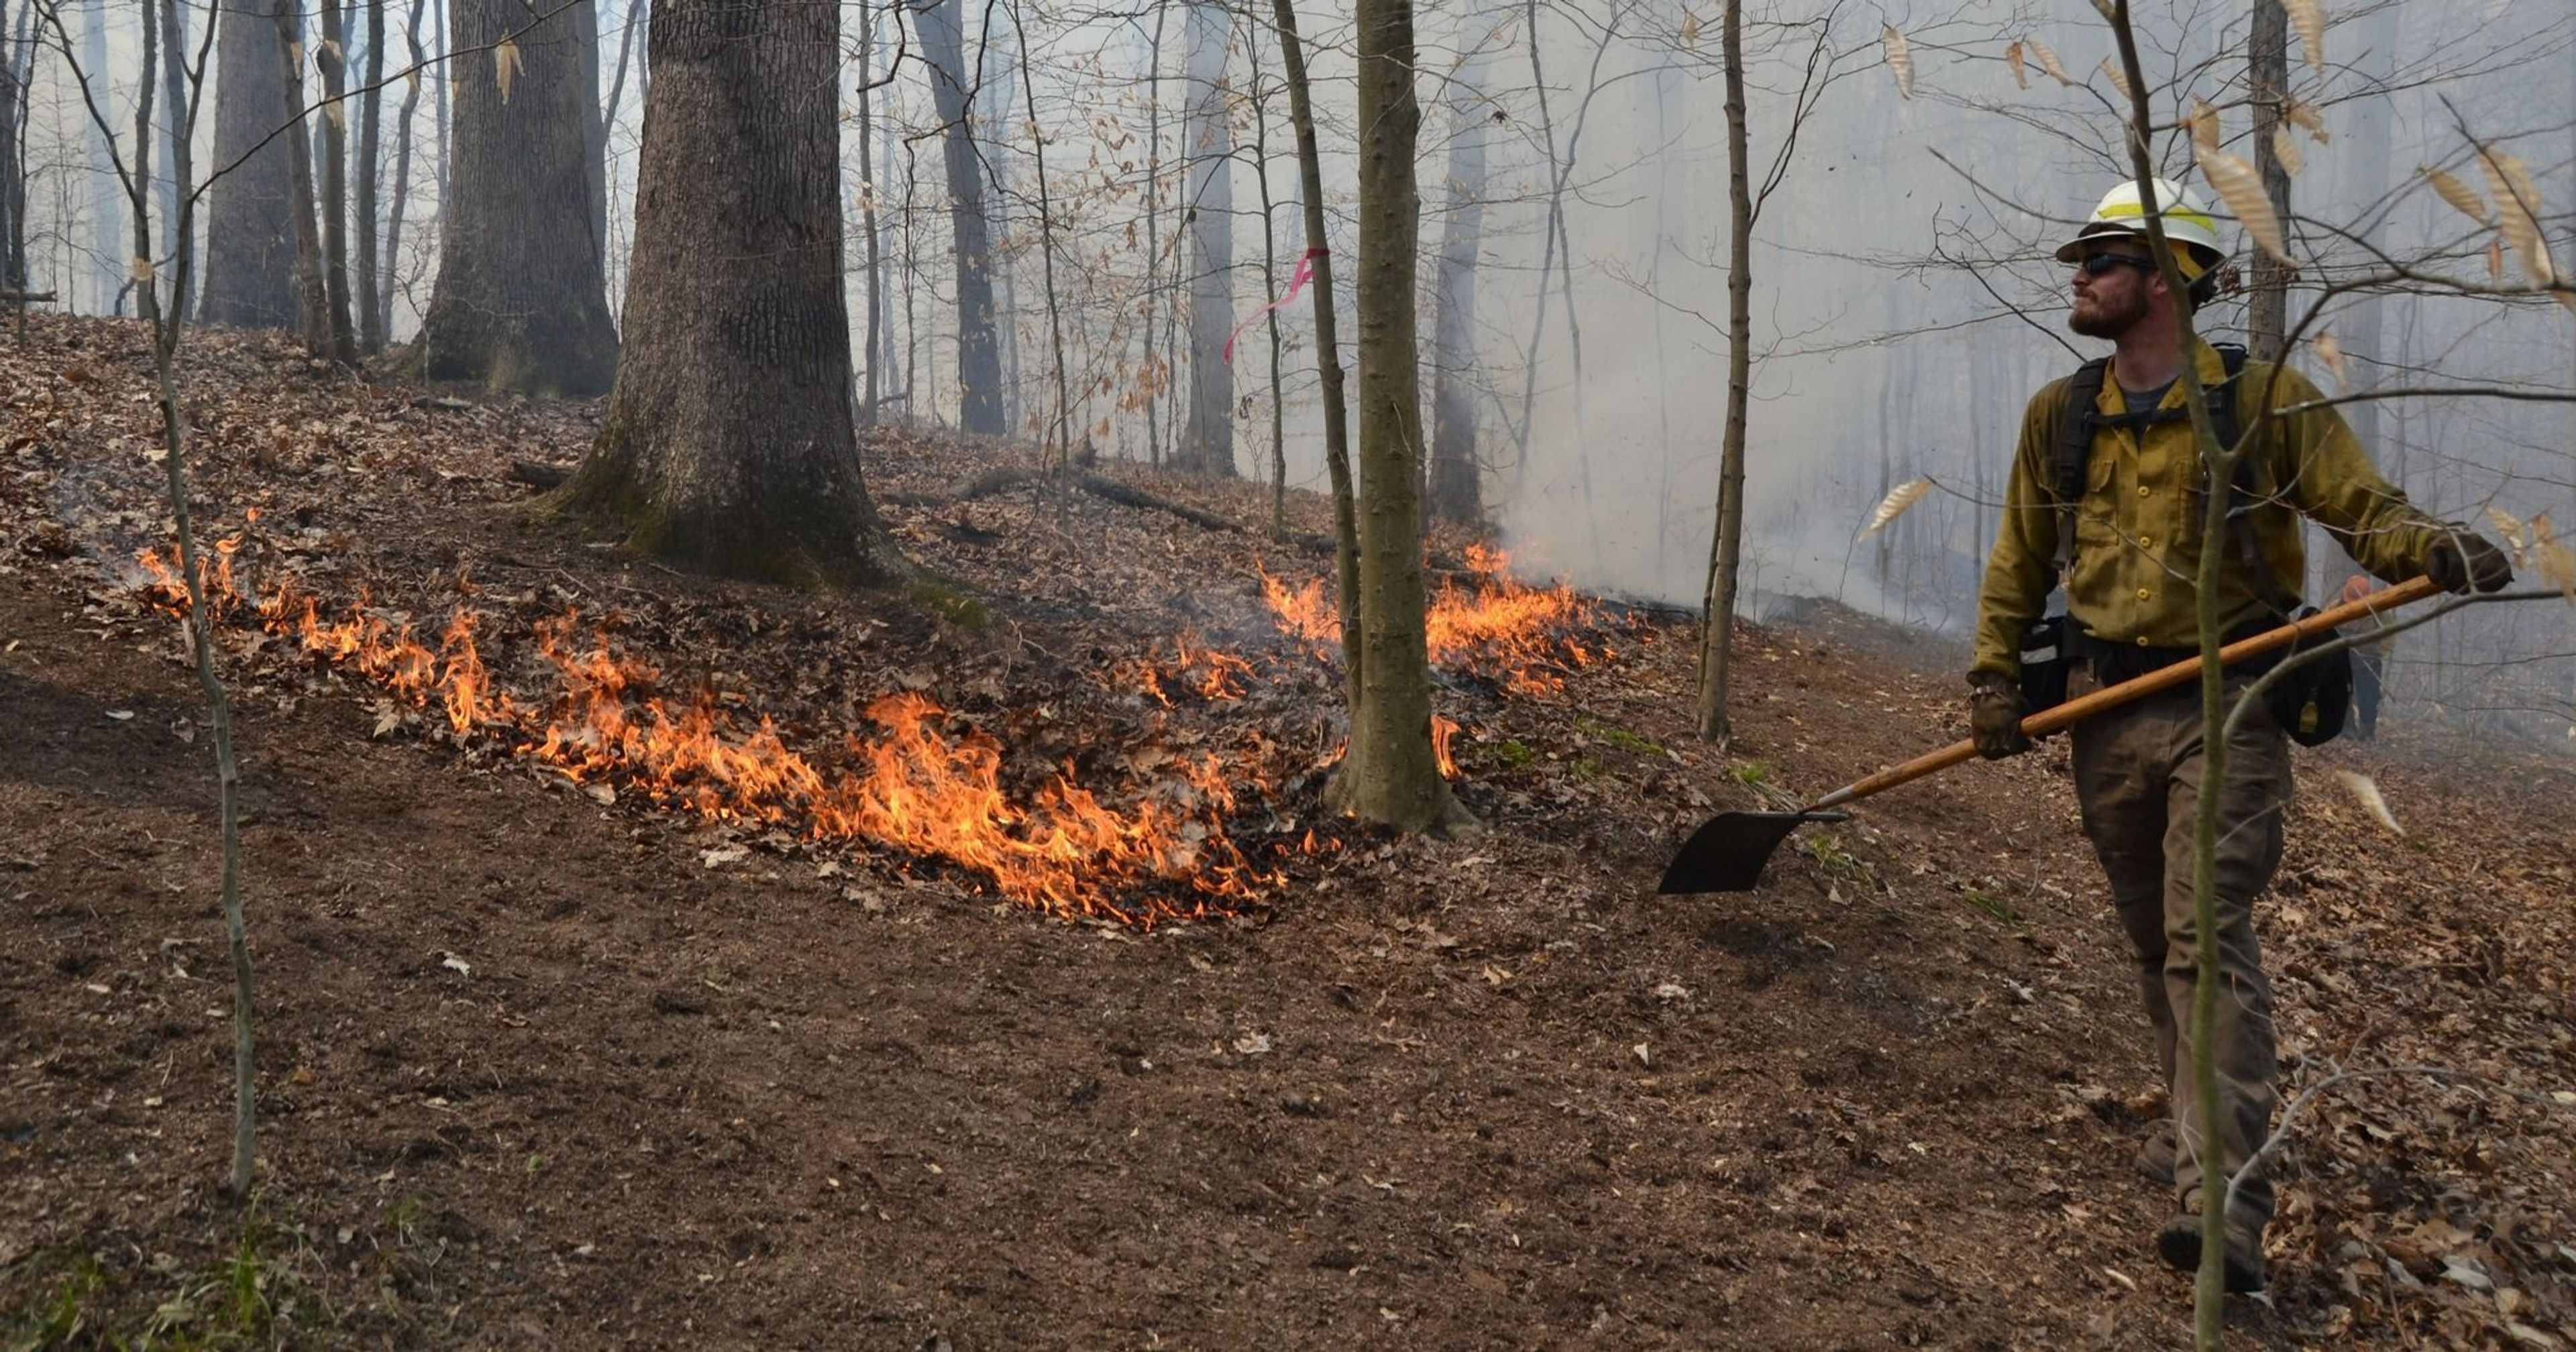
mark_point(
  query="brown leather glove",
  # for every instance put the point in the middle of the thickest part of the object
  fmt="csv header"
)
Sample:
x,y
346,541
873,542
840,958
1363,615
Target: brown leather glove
x,y
1994,715
2464,560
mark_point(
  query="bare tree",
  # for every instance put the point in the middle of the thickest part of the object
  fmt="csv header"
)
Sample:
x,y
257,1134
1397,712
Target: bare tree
x,y
979,355
1207,439
1456,487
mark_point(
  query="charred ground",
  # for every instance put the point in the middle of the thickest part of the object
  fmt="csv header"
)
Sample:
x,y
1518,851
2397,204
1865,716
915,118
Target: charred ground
x,y
543,1069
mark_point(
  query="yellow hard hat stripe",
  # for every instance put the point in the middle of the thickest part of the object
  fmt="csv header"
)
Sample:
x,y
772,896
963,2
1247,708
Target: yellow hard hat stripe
x,y
2113,211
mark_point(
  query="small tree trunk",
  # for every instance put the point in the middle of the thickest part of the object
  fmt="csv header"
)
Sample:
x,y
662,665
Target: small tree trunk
x,y
875,282
388,269
2268,71
1207,439
1270,287
979,358
332,57
1328,351
728,441
1390,775
313,298
1046,246
177,225
371,318
13,182
521,302
1456,491
1717,628
1151,374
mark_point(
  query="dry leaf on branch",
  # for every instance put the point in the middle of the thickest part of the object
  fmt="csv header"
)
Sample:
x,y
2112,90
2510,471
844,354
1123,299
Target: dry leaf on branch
x,y
2495,260
2367,792
2119,81
505,66
2241,189
2310,19
1900,58
1892,506
2012,58
2461,196
2303,115
2331,353
1690,29
2517,199
2556,562
2285,148
2203,123
2048,62
2510,529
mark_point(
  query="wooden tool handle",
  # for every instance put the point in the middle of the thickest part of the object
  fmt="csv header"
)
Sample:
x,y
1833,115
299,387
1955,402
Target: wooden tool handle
x,y
2163,678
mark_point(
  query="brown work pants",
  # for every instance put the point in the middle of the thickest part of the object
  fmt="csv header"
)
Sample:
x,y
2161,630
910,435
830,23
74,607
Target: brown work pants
x,y
2138,775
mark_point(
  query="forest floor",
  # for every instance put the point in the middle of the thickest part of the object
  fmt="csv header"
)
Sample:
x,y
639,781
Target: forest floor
x,y
551,1059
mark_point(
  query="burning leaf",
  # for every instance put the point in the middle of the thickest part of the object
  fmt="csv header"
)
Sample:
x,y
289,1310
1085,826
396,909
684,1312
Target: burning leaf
x,y
2516,198
2203,121
2012,58
454,963
2461,196
2285,148
2241,189
1690,29
1892,506
505,66
2119,78
2367,792
2331,353
1900,58
2048,62
2310,19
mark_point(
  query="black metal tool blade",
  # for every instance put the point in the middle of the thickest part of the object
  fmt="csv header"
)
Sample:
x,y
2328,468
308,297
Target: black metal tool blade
x,y
1727,852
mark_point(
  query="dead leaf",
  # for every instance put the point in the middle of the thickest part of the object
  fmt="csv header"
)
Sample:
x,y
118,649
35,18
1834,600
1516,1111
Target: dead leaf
x,y
2119,78
505,66
1892,506
2241,189
454,963
2303,115
2463,198
2517,199
2331,353
2012,58
2203,122
2366,791
2285,148
2309,18
1900,58
1690,29
2048,62
723,854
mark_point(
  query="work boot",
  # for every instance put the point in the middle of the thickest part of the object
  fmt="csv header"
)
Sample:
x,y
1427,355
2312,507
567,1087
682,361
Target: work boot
x,y
2178,1243
2155,1157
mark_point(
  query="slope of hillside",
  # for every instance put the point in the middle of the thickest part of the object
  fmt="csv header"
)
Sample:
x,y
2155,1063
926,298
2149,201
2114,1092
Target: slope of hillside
x,y
554,1052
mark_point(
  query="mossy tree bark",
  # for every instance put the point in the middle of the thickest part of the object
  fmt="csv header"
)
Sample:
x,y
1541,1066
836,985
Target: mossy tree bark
x,y
521,302
1390,775
250,225
728,443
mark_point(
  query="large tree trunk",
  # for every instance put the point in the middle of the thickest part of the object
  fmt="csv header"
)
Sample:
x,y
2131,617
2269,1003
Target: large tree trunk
x,y
872,246
332,58
107,242
371,323
1390,775
2268,69
13,180
1726,550
1207,438
728,442
979,356
522,302
1456,491
594,126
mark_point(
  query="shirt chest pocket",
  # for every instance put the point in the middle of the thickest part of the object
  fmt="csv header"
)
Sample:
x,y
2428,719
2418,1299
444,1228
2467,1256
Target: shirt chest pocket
x,y
2107,472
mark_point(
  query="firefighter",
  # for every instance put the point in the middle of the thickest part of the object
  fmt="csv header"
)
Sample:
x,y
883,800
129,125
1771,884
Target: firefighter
x,y
2107,503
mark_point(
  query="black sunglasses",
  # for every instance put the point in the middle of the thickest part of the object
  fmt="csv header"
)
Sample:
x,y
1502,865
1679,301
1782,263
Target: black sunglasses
x,y
2101,264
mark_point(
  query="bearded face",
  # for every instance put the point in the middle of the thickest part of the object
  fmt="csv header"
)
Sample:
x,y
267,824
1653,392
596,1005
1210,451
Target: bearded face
x,y
2107,304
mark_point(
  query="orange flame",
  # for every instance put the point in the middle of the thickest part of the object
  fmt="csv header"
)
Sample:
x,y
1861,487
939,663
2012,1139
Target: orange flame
x,y
1499,626
1166,857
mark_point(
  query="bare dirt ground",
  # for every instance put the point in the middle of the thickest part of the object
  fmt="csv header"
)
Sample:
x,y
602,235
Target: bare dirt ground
x,y
539,1069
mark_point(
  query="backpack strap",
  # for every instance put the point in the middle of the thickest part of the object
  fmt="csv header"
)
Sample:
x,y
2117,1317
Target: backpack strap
x,y
2074,447
2243,496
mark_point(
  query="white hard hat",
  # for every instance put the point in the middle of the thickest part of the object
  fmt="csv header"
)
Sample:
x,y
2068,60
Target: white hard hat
x,y
2187,221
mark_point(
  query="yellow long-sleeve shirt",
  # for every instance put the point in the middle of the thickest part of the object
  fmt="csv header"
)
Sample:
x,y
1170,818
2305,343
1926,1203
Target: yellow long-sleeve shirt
x,y
2138,522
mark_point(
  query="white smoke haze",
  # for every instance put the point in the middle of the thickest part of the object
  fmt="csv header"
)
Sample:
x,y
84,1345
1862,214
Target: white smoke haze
x,y
1904,303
